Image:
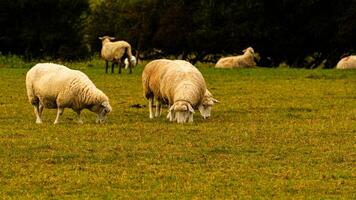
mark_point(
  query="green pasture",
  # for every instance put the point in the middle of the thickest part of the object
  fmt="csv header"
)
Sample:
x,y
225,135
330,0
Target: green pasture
x,y
276,134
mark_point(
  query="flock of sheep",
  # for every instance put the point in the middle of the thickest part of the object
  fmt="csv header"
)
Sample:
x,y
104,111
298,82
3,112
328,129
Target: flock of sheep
x,y
175,83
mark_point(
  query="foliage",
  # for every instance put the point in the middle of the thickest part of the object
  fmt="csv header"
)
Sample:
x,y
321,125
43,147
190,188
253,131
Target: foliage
x,y
203,30
280,30
41,28
276,134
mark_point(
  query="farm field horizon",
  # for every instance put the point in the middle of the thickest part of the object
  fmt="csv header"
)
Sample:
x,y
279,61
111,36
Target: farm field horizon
x,y
276,133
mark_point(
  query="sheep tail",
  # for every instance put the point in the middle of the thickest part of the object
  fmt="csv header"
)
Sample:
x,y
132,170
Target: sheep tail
x,y
128,53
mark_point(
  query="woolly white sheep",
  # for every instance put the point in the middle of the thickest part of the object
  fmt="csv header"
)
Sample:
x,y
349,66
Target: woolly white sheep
x,y
55,86
176,83
133,62
348,62
245,60
115,52
208,99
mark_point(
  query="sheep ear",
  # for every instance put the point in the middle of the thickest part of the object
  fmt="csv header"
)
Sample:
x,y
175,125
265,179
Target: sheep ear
x,y
105,104
190,108
112,38
100,38
171,108
215,100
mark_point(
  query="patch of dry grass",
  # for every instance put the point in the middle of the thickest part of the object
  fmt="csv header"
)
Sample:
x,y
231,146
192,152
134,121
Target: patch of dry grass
x,y
277,133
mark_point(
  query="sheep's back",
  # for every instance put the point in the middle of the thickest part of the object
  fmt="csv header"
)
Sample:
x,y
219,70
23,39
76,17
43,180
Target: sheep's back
x,y
227,62
114,50
183,81
347,63
48,80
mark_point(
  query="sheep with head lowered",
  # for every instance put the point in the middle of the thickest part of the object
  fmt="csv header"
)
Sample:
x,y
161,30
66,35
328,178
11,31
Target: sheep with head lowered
x,y
55,86
348,62
246,60
116,52
176,83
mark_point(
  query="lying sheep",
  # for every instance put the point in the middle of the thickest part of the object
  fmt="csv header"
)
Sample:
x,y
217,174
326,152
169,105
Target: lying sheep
x,y
176,83
115,52
245,60
133,62
348,62
55,86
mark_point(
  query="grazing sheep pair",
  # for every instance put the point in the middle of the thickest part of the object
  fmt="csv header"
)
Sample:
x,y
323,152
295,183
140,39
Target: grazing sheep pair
x,y
58,87
245,60
116,52
348,62
178,84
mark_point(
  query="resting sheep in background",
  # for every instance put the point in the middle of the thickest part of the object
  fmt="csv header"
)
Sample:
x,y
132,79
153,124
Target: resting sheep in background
x,y
176,83
115,52
348,62
245,60
55,86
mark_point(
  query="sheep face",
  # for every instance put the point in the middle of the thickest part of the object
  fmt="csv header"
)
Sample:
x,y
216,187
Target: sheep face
x,y
106,39
205,107
101,110
249,49
183,112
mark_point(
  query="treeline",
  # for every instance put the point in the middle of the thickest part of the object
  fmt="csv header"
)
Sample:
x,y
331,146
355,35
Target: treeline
x,y
201,30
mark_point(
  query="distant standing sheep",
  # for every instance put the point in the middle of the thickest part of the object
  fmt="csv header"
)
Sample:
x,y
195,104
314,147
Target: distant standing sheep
x,y
245,60
55,86
115,52
176,83
348,62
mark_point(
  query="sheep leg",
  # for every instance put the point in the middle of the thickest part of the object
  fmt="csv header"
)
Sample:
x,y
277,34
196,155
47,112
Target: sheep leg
x,y
158,109
120,65
190,120
130,66
170,113
112,67
106,66
59,113
150,103
38,114
80,121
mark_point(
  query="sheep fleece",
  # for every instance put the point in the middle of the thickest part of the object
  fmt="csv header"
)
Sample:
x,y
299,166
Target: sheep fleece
x,y
172,81
55,85
348,62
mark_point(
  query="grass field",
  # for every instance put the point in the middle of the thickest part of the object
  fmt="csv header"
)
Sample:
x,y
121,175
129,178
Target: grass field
x,y
277,134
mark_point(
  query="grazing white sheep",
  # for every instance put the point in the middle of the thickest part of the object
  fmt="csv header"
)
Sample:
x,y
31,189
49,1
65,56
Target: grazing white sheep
x,y
115,52
133,62
176,83
245,60
55,86
348,62
208,99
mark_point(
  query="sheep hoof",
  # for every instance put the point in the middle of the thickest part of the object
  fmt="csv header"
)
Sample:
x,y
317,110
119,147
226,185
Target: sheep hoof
x,y
38,121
